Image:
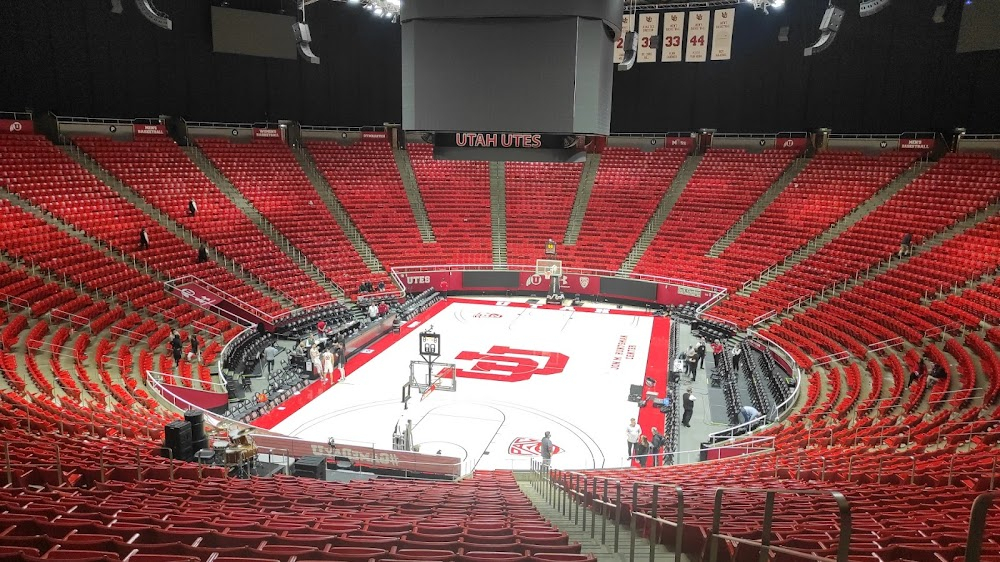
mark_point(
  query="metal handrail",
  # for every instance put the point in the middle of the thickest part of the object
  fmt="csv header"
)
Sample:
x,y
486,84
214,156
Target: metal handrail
x,y
105,120
764,544
977,525
17,115
158,381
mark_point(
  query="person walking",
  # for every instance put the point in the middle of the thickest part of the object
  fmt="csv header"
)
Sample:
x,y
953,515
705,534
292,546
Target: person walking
x,y
202,254
372,311
270,354
546,449
687,400
906,245
700,352
176,347
692,363
642,450
717,351
143,239
195,348
192,208
656,445
632,433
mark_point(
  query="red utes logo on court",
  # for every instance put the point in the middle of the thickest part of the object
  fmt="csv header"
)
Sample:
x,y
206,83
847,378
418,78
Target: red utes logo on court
x,y
502,363
529,447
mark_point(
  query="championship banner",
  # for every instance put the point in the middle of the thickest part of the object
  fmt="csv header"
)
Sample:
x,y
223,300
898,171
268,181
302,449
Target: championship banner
x,y
925,145
628,24
697,37
17,126
266,133
146,130
673,37
722,34
649,26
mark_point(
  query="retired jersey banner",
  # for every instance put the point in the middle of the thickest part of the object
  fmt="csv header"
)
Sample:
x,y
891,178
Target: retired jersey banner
x,y
649,27
673,37
697,37
628,24
722,34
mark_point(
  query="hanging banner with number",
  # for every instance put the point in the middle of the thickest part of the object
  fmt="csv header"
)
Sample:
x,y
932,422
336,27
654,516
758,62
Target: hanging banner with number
x,y
628,24
649,26
697,38
722,34
673,37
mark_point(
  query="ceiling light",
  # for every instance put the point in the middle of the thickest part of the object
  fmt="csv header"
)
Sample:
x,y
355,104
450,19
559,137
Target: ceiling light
x,y
378,12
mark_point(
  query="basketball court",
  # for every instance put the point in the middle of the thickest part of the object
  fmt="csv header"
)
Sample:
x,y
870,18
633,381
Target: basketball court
x,y
520,369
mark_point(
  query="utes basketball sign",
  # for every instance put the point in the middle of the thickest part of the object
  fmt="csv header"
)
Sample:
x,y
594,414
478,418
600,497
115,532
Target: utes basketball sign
x,y
528,447
502,363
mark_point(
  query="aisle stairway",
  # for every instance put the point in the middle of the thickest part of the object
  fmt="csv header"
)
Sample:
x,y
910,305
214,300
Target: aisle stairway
x,y
582,199
402,158
498,213
836,230
116,185
662,211
757,208
251,212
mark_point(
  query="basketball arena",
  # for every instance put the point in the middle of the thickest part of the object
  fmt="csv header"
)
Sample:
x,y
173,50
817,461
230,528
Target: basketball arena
x,y
391,280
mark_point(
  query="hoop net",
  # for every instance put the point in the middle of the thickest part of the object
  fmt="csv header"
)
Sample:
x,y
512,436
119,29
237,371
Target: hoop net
x,y
548,268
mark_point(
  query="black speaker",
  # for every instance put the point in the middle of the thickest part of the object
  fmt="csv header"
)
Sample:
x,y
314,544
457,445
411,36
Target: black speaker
x,y
177,438
313,466
197,421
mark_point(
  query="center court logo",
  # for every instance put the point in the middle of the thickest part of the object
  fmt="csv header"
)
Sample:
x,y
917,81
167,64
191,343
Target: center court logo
x,y
502,363
528,447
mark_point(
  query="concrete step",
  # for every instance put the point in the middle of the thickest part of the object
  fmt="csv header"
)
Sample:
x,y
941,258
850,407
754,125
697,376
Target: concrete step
x,y
595,534
666,205
758,208
192,240
583,191
413,195
498,212
841,226
337,210
236,197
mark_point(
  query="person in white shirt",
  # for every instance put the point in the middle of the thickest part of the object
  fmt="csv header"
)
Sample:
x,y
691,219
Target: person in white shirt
x,y
632,433
327,360
372,311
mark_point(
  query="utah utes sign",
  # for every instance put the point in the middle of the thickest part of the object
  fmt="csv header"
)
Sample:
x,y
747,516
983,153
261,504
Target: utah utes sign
x,y
502,363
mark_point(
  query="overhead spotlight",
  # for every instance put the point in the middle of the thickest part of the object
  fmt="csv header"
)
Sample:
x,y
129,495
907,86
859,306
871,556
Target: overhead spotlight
x,y
763,5
156,17
631,43
353,1
378,12
872,7
778,3
116,6
828,30
303,38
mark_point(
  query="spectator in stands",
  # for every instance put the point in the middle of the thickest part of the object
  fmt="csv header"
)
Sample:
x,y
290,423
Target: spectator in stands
x,y
641,450
656,445
270,353
632,433
202,254
748,413
383,308
939,372
906,246
687,400
143,239
192,208
546,449
195,350
700,351
691,356
381,286
361,288
920,371
717,350
372,311
176,347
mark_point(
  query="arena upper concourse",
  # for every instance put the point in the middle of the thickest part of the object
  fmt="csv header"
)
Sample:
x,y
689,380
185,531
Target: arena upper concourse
x,y
386,280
